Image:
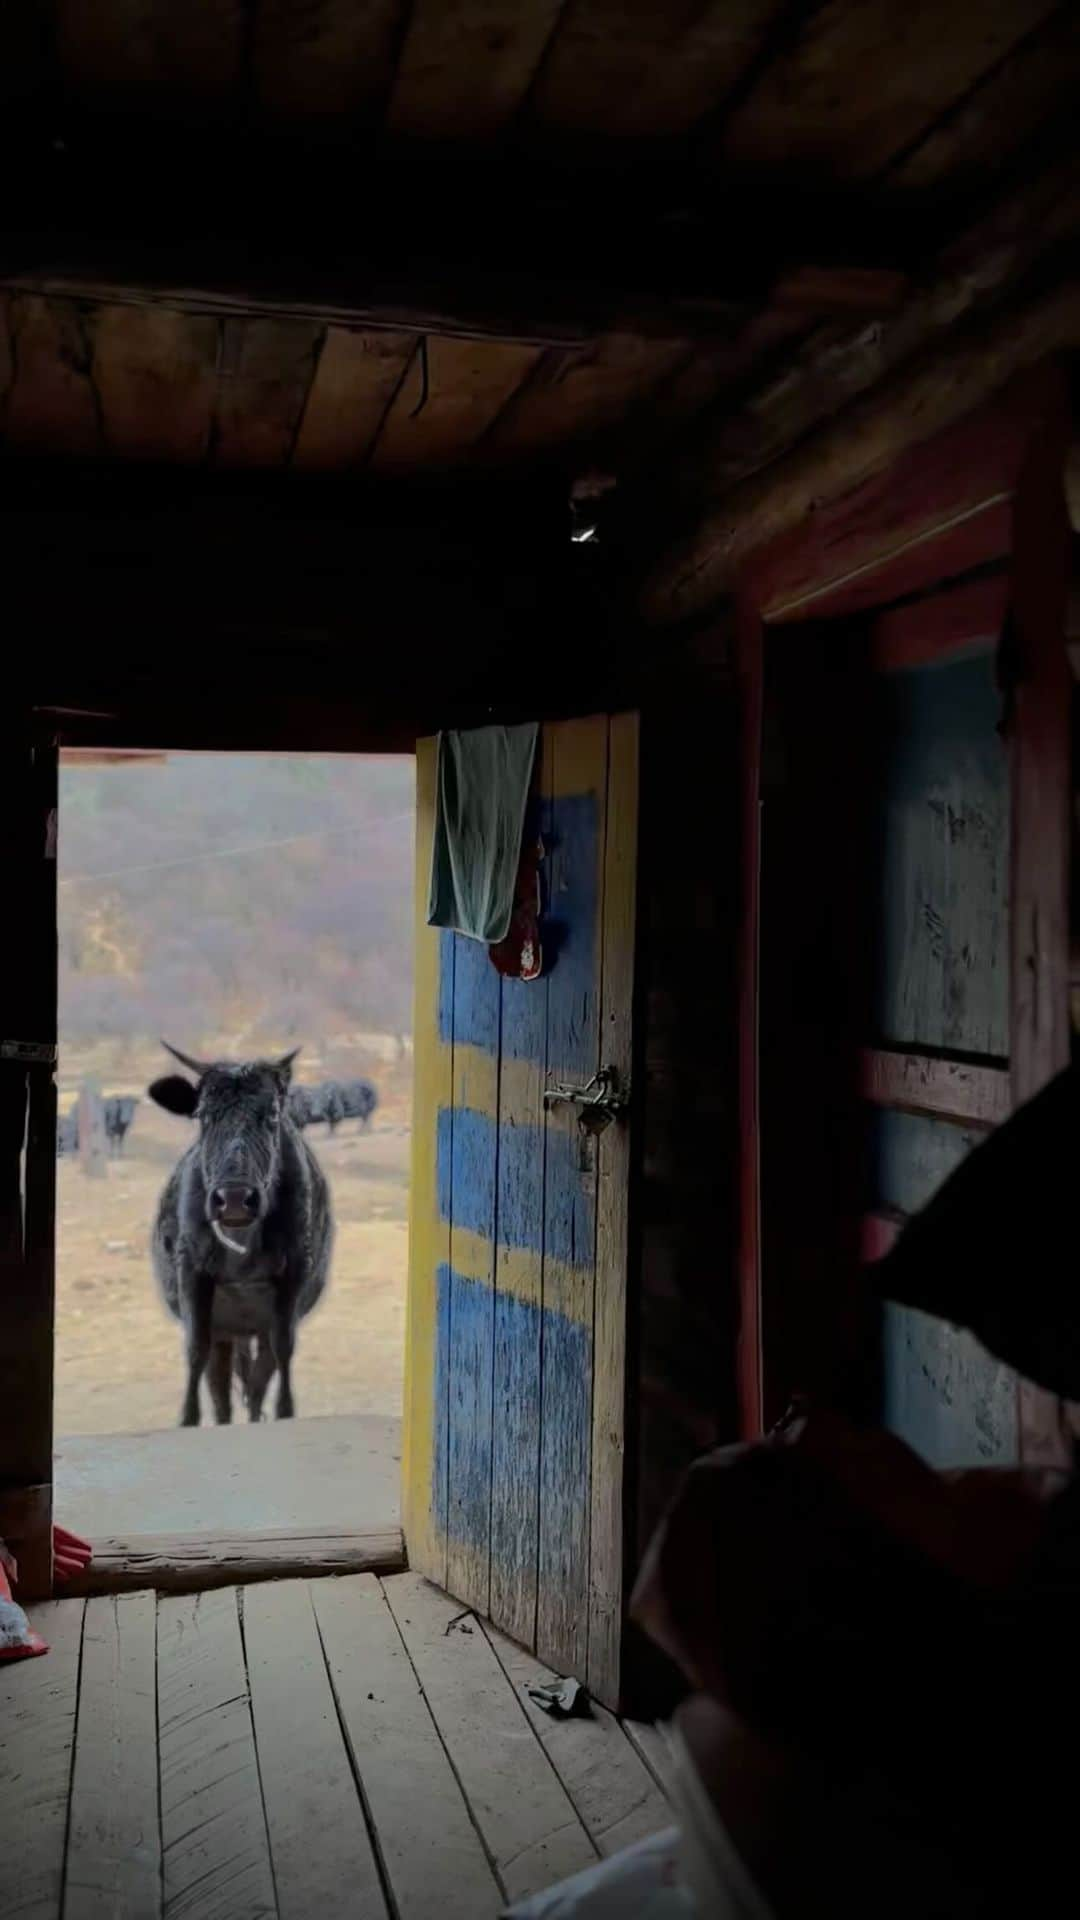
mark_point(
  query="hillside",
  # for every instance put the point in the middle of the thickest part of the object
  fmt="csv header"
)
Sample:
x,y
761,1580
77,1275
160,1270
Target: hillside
x,y
266,898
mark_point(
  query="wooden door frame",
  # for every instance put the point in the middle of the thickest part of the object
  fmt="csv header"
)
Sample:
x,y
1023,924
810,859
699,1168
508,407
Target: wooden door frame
x,y
988,493
33,741
28,1135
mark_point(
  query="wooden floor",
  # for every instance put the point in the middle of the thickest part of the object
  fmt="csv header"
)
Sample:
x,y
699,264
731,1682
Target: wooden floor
x,y
329,1747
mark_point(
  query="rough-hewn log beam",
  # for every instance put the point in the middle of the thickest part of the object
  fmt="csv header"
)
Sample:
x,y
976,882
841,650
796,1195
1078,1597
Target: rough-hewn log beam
x,y
836,363
861,441
431,242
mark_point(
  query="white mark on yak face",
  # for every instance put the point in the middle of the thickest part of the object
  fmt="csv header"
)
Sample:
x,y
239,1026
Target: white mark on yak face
x,y
234,1246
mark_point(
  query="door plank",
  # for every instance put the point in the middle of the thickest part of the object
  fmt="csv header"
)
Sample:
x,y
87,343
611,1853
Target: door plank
x,y
474,1160
114,1844
612,1240
527,1820
38,1708
579,749
426,1345
434,1863
515,1445
322,1856
613,1790
213,1827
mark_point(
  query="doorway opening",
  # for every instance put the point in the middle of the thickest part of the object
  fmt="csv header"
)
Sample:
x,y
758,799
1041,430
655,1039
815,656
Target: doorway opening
x,y
238,906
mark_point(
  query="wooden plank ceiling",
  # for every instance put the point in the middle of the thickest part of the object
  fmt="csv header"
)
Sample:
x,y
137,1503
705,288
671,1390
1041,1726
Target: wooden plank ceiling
x,y
651,125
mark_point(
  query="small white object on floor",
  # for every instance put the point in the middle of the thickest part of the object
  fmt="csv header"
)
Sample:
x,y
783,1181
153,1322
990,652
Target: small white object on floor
x,y
641,1883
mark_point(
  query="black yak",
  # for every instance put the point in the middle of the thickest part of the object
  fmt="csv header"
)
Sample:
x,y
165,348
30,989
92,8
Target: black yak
x,y
242,1238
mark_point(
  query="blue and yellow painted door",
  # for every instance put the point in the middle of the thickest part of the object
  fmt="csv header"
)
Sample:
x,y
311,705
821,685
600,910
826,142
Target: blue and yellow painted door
x,y
517,1287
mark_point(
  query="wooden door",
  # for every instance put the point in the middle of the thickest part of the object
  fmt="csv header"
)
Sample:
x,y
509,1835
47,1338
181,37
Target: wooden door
x,y
936,1070
517,1296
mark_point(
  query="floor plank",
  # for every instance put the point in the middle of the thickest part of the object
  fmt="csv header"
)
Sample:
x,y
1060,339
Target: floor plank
x,y
37,1734
114,1837
216,1852
650,1741
528,1822
613,1790
433,1859
322,1855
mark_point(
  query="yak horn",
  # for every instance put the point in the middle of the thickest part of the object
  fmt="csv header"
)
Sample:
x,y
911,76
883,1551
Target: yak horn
x,y
284,1065
197,1067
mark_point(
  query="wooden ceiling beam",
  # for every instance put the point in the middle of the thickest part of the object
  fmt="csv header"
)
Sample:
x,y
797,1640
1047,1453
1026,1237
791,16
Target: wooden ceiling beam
x,y
835,363
430,241
709,557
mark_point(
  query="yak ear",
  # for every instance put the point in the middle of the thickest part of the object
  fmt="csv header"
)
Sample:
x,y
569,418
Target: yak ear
x,y
175,1094
197,1067
283,1067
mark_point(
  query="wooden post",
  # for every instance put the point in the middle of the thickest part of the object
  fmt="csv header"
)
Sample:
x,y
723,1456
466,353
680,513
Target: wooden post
x,y
749,655
1040,736
28,1156
91,1130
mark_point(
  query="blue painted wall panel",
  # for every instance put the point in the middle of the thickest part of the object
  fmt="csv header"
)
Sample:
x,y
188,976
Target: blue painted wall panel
x,y
942,857
476,997
942,980
565,1473
447,943
444,1160
470,1149
472,1310
515,1458
463,1382
443,1291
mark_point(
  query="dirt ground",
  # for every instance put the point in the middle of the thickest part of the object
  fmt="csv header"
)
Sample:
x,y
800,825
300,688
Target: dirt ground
x,y
118,1357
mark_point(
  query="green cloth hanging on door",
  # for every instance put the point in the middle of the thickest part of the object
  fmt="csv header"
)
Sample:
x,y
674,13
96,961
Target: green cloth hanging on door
x,y
481,796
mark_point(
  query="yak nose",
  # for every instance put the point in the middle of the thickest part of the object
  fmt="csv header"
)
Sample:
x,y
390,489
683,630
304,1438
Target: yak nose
x,y
234,1202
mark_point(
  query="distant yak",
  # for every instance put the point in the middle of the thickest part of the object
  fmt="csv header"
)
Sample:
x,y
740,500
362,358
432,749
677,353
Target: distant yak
x,y
118,1111
333,1101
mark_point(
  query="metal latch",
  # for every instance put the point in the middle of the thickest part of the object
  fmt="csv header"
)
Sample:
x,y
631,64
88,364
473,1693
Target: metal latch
x,y
598,1102
32,1053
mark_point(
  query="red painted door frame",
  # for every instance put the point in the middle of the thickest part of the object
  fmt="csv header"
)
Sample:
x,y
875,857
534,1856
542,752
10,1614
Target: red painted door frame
x,y
988,490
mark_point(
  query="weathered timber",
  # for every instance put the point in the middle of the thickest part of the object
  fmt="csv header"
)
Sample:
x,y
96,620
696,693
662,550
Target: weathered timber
x,y
194,1562
838,362
860,442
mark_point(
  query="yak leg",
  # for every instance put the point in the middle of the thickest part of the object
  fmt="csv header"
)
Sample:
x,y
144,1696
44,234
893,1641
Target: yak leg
x,y
283,1335
259,1376
219,1380
242,1363
196,1311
